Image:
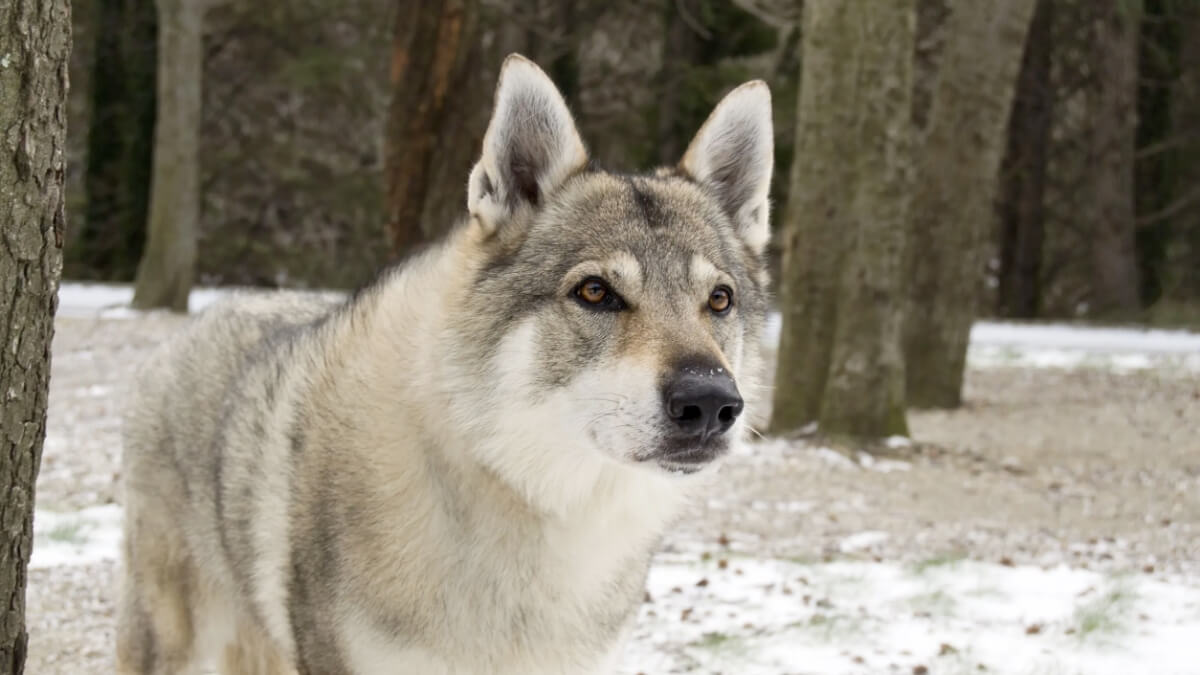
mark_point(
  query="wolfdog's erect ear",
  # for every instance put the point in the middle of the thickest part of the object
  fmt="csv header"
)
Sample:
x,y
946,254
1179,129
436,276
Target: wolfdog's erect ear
x,y
530,148
733,154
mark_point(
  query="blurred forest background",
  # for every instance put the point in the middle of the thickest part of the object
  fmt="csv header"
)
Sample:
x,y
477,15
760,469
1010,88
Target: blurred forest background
x,y
1097,209
936,160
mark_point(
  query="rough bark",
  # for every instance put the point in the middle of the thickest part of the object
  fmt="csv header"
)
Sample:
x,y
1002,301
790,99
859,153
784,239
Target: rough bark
x,y
956,180
1023,191
432,133
109,241
840,361
164,277
1112,213
930,43
34,46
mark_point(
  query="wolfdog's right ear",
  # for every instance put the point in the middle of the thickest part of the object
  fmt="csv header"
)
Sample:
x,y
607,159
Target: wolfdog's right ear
x,y
530,148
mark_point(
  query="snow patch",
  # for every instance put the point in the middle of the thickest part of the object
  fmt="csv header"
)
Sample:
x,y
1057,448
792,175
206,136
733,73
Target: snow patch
x,y
111,301
1067,346
83,537
862,541
729,614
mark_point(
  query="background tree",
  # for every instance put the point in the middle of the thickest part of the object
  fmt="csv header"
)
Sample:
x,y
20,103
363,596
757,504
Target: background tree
x,y
108,239
1021,202
1111,207
434,126
1183,284
34,45
840,361
164,276
954,190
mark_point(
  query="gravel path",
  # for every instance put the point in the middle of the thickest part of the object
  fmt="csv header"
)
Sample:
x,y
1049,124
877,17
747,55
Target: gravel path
x,y
1095,468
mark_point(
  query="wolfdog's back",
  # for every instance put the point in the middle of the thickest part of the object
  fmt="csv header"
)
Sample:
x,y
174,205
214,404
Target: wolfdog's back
x,y
194,405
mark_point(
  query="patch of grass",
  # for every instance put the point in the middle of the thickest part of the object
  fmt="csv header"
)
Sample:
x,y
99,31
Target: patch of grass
x,y
936,603
68,533
1104,615
943,560
714,640
829,627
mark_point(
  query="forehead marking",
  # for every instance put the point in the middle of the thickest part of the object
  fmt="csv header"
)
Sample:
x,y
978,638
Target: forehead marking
x,y
651,211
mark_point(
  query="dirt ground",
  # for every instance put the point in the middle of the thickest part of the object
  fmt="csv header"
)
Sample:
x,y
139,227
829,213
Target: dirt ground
x,y
1090,467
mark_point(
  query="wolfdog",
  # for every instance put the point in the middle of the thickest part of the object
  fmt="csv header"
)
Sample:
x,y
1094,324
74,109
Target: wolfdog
x,y
466,466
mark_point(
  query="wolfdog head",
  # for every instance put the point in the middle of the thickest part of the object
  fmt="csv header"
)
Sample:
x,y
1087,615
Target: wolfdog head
x,y
609,315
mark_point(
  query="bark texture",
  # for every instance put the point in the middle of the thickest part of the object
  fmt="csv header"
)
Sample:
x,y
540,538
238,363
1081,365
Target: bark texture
x,y
34,46
1113,217
1023,175
955,187
164,277
840,361
434,127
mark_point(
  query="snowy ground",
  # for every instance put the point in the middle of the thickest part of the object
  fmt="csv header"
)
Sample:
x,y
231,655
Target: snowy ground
x,y
1052,526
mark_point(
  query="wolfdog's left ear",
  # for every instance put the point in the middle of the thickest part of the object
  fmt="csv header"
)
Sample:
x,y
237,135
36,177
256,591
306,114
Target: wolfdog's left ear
x,y
530,148
733,154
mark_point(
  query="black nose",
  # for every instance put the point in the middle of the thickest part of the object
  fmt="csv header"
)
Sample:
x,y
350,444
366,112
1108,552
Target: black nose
x,y
702,402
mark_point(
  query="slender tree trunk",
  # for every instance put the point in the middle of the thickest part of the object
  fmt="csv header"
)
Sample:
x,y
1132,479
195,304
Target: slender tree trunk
x,y
840,361
431,131
120,138
1112,215
35,40
168,264
1022,200
956,181
1184,251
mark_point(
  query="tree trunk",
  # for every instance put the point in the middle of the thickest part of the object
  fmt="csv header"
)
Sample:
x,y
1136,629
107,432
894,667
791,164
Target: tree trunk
x,y
432,132
840,361
34,46
1022,199
109,242
953,205
164,277
1183,285
1112,214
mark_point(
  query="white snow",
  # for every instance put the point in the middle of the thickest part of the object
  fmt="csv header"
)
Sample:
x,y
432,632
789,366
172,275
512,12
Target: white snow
x,y
727,612
87,536
1086,338
758,616
862,541
1068,346
111,301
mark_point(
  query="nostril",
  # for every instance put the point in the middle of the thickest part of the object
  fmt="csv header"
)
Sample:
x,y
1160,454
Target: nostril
x,y
701,407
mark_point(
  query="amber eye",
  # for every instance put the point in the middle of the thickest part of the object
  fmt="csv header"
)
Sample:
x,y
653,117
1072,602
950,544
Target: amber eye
x,y
720,300
593,293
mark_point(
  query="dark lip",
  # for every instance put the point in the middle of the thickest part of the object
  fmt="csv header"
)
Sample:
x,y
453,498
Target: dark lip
x,y
691,454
